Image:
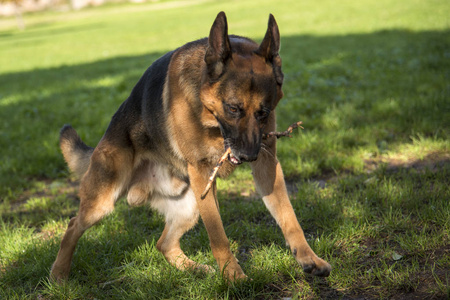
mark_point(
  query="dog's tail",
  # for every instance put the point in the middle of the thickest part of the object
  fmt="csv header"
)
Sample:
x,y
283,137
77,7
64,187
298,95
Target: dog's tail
x,y
76,153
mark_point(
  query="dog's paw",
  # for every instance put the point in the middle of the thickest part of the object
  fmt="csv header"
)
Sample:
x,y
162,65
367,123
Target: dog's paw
x,y
58,275
203,268
234,273
236,278
178,259
314,265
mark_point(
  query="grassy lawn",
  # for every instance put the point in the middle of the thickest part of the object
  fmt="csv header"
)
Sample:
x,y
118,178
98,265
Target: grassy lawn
x,y
369,175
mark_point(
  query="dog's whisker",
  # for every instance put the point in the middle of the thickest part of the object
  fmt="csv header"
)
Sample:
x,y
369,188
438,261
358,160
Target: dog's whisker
x,y
266,149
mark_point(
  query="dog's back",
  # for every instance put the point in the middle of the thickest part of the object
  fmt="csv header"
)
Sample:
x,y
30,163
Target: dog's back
x,y
128,126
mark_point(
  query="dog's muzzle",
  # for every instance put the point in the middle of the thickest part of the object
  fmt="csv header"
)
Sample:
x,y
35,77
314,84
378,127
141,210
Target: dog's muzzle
x,y
238,157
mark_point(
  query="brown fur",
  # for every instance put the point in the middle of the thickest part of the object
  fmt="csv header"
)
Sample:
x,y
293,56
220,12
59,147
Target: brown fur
x,y
164,140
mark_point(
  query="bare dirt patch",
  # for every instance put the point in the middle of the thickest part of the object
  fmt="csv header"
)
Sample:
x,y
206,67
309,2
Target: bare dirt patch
x,y
433,162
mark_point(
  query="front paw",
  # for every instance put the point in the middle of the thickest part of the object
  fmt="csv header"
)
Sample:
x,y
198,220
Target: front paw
x,y
312,264
233,273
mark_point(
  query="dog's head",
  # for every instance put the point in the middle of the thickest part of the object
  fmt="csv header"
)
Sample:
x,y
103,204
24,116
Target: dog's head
x,y
241,86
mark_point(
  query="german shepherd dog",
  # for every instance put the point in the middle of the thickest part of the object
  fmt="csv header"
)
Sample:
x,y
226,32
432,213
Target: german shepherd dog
x,y
190,106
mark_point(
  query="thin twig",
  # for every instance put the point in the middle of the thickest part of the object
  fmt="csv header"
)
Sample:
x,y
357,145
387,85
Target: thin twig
x,y
286,133
214,173
277,134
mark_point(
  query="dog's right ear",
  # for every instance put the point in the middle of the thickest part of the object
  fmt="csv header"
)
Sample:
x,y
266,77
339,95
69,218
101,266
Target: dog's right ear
x,y
270,48
219,48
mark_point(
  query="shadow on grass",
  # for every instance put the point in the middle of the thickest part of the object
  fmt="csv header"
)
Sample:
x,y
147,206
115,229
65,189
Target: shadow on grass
x,y
388,84
365,90
36,104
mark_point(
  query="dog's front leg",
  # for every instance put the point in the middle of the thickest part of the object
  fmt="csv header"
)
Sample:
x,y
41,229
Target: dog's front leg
x,y
209,212
269,182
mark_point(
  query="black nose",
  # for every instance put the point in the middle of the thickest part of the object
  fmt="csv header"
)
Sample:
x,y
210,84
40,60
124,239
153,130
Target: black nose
x,y
249,156
248,148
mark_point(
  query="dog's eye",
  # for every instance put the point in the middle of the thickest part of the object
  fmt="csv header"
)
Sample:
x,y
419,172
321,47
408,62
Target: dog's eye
x,y
262,114
233,109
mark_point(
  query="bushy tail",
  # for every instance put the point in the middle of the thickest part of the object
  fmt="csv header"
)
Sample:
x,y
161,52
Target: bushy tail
x,y
76,153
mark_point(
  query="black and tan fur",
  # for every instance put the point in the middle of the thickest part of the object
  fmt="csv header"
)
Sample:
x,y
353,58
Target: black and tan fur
x,y
162,143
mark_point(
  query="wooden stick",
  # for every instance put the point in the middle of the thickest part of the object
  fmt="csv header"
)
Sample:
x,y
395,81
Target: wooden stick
x,y
214,173
286,133
277,134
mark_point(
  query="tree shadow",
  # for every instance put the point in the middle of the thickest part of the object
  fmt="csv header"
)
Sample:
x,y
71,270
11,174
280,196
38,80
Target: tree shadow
x,y
36,104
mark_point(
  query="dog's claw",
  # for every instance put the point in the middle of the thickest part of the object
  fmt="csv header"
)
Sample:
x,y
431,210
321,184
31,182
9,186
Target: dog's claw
x,y
309,268
322,272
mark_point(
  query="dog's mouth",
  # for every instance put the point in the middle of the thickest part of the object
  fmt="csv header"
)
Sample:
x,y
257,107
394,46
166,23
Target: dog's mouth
x,y
233,159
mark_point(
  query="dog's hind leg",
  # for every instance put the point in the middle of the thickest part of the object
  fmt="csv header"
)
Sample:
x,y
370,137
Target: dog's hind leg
x,y
181,214
100,187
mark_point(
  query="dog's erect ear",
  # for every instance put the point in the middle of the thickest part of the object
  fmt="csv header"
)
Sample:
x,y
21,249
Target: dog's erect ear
x,y
270,47
219,48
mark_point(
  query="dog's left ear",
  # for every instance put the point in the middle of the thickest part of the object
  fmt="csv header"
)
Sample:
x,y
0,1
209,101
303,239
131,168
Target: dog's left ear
x,y
219,48
270,47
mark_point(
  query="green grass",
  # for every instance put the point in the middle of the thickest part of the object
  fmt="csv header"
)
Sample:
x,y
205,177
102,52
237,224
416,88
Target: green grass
x,y
368,175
